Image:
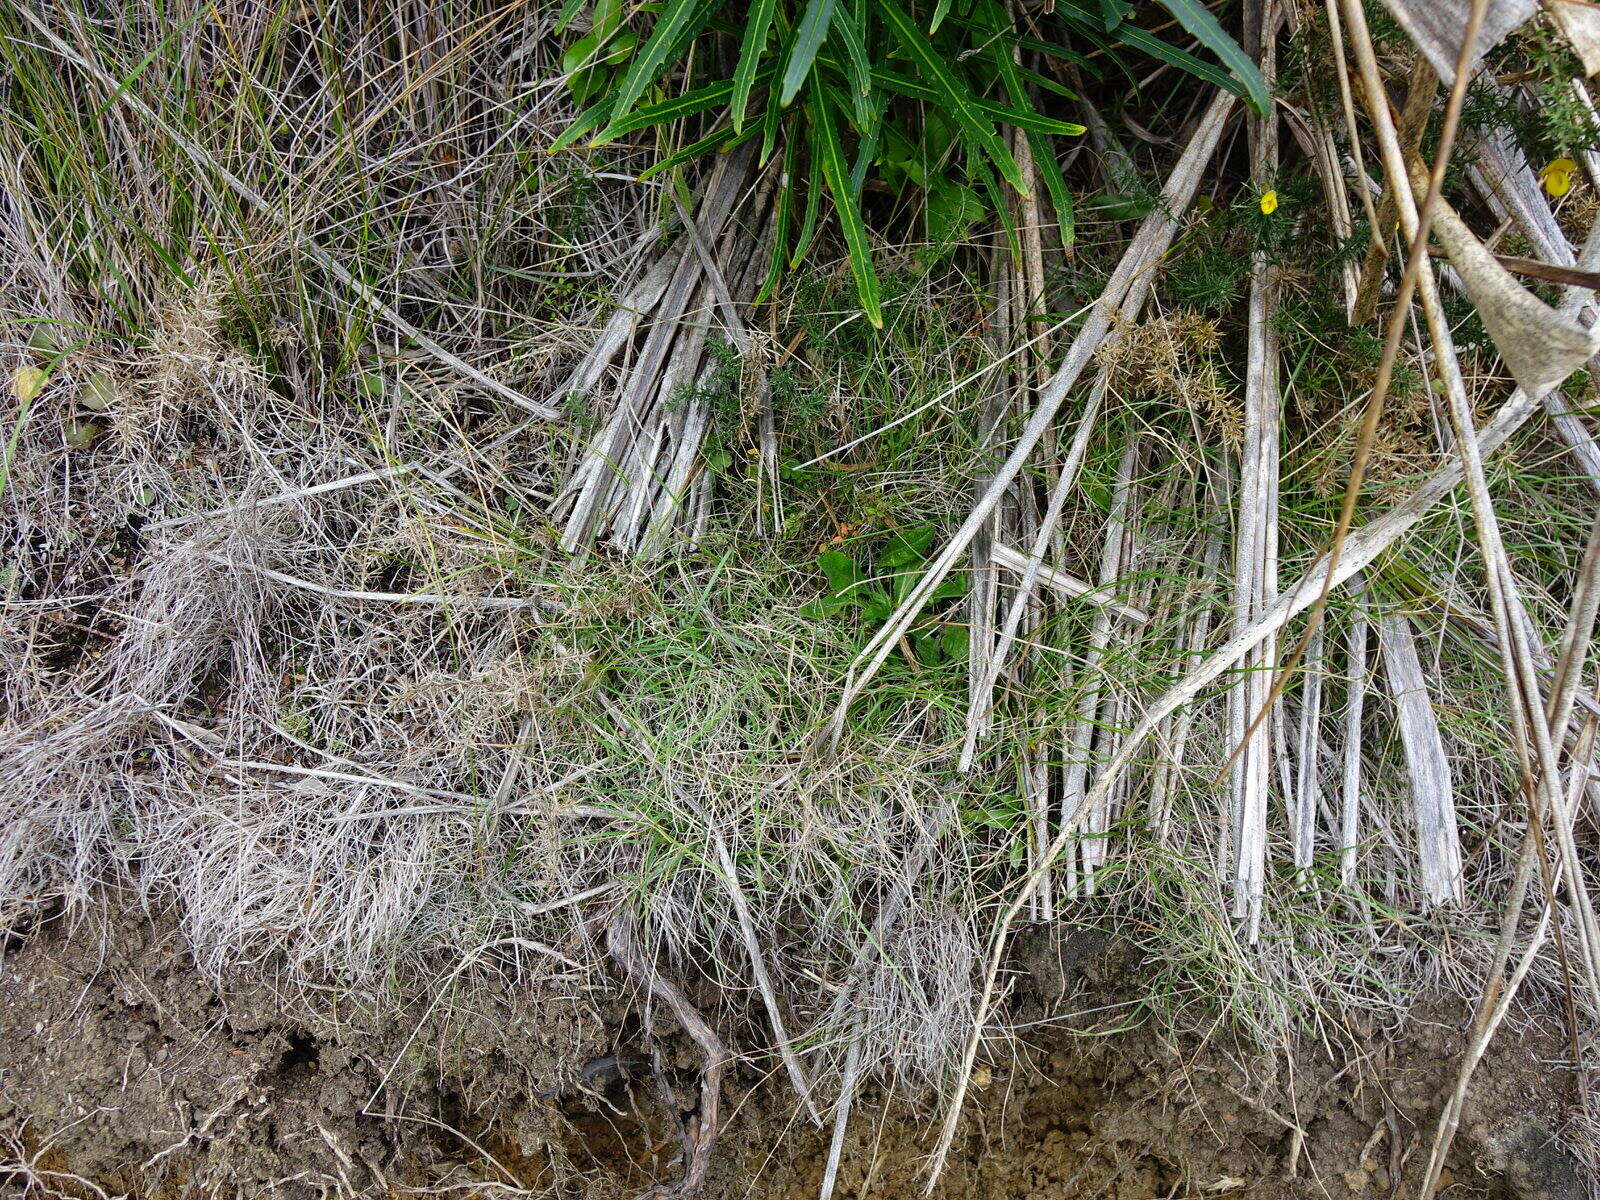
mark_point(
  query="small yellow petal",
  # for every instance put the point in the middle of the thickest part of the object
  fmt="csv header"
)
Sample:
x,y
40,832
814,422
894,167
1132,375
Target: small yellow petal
x,y
1557,176
28,382
1269,202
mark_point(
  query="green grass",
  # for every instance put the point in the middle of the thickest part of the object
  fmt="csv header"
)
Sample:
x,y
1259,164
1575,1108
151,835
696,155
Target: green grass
x,y
638,718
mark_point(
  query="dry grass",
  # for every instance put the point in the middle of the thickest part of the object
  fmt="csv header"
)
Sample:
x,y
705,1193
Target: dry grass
x,y
293,640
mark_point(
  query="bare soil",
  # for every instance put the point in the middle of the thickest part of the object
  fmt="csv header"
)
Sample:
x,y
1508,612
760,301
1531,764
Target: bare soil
x,y
123,1072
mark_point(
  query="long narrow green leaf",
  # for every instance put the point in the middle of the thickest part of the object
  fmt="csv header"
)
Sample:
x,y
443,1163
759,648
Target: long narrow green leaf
x,y
954,94
607,18
1113,11
1044,155
678,18
808,223
1093,38
1168,53
850,24
1005,114
837,174
771,120
1027,119
722,139
1044,161
678,107
1045,83
750,50
590,118
808,37
780,235
867,149
1196,18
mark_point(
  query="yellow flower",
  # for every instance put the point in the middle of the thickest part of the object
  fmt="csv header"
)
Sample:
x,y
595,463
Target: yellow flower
x,y
28,382
1269,202
1557,176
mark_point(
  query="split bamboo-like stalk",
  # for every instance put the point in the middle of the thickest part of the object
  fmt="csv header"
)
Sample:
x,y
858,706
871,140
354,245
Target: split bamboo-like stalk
x,y
1354,713
1091,850
1128,282
1126,289
1064,584
1174,733
1359,549
1448,38
1307,791
640,483
1531,735
1255,558
1432,792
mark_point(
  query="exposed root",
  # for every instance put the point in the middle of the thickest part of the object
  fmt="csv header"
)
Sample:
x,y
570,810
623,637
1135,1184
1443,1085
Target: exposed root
x,y
700,1133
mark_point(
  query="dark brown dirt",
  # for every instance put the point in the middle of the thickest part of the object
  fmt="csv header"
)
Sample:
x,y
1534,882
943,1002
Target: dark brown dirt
x,y
122,1070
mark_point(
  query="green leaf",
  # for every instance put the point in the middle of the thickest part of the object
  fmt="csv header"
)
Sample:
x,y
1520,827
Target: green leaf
x,y
1045,84
723,138
1031,121
679,21
1168,53
780,236
750,50
824,606
674,109
808,223
1113,11
955,640
569,10
1058,51
954,95
907,547
596,115
837,174
1044,161
952,210
1044,155
1006,114
1200,24
840,571
575,66
771,119
850,25
808,37
607,18
584,62
867,149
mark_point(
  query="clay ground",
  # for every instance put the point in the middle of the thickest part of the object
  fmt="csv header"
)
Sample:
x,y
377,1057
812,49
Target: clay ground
x,y
123,1073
